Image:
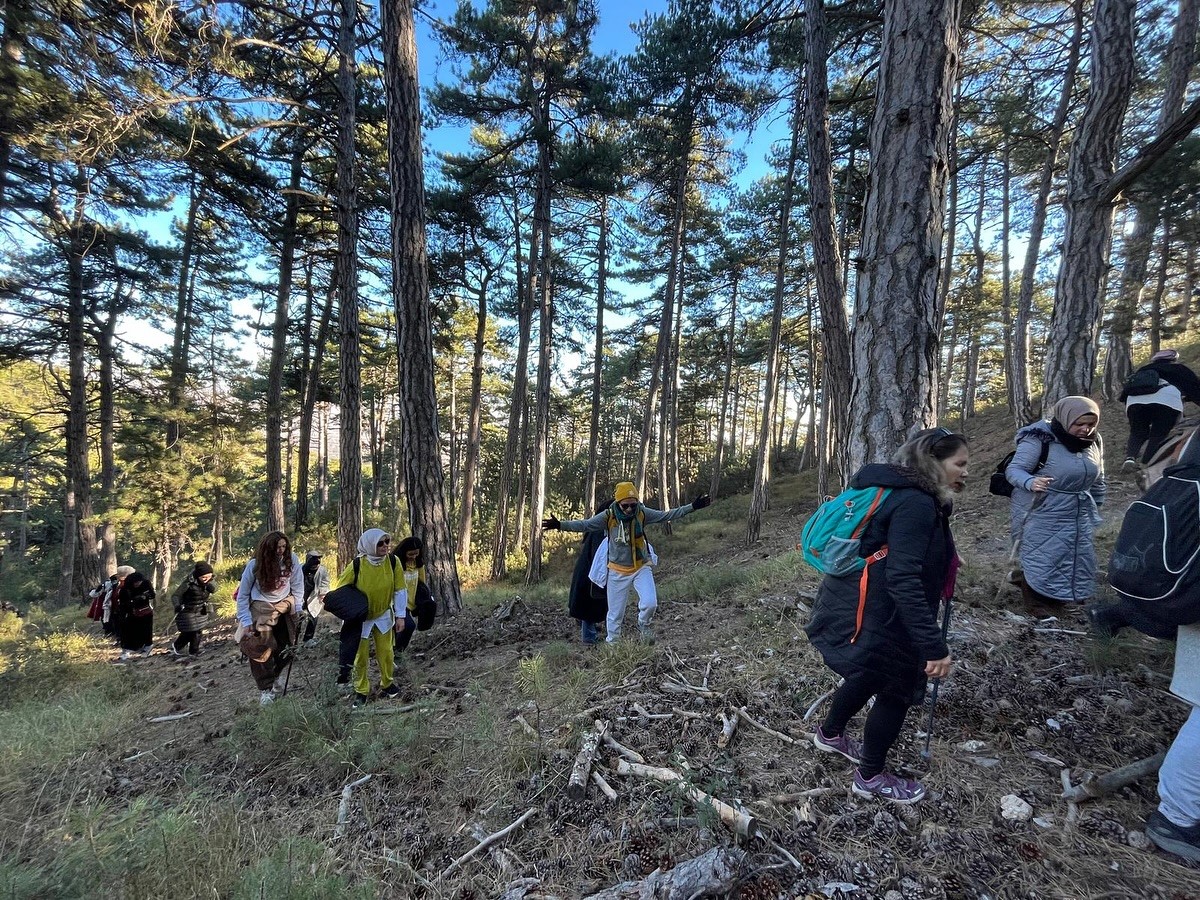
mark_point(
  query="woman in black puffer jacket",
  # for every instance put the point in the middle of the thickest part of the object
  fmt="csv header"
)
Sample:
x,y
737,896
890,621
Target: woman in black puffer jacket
x,y
192,608
878,628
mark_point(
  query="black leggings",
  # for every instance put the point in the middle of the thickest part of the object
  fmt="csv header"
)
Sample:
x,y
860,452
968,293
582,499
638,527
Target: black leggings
x,y
191,638
884,721
1149,424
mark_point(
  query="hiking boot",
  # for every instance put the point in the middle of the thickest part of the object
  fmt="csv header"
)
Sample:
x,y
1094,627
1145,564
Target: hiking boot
x,y
646,634
588,633
266,697
359,700
1166,835
841,744
390,692
1129,465
887,786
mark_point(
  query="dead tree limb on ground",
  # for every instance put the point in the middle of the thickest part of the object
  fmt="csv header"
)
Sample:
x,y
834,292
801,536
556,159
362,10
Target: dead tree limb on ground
x,y
710,874
728,727
745,717
1092,786
489,840
741,822
577,785
344,805
631,755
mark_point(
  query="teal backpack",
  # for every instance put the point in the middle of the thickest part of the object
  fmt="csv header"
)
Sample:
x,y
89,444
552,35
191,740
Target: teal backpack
x,y
832,536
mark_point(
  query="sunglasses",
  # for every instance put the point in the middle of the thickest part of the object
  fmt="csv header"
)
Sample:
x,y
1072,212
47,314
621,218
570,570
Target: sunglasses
x,y
384,543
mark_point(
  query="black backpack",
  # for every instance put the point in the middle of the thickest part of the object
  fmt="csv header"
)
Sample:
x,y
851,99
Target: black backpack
x,y
1155,564
348,602
999,485
1143,381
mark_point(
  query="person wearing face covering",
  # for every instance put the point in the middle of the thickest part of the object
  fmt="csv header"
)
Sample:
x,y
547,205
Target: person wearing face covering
x,y
1055,508
375,572
630,566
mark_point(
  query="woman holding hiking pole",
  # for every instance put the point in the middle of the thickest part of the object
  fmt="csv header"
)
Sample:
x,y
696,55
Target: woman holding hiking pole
x,y
879,628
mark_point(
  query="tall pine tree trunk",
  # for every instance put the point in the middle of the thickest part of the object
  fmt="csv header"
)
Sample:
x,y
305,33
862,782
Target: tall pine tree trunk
x,y
759,496
181,342
1180,57
410,279
541,418
474,428
308,409
589,490
827,252
1079,293
279,332
730,335
1018,376
896,329
350,518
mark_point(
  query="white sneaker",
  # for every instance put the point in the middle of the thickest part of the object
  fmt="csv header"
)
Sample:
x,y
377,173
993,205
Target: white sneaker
x,y
266,697
125,655
174,652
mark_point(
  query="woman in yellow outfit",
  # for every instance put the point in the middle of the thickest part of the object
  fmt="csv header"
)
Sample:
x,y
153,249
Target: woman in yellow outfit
x,y
383,582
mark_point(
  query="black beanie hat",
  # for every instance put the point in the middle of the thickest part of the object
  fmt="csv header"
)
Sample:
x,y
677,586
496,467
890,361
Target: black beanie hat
x,y
202,568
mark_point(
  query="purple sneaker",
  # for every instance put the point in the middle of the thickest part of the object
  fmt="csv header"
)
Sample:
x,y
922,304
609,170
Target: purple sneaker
x,y
847,747
887,786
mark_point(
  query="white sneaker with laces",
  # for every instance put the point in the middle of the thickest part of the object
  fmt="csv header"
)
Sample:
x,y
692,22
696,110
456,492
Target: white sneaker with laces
x,y
266,697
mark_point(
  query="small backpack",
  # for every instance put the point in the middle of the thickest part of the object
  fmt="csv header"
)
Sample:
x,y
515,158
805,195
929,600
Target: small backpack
x,y
1155,564
832,536
1142,382
999,485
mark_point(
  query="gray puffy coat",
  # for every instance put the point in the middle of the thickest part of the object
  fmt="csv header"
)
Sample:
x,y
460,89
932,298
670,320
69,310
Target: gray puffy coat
x,y
1055,528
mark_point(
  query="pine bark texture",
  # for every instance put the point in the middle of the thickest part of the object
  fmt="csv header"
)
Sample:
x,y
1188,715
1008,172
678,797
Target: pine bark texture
x,y
827,252
421,438
589,491
1180,57
1079,293
1021,392
895,333
474,429
346,277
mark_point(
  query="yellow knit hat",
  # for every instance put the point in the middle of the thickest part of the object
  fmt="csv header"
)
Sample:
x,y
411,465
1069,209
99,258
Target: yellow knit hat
x,y
625,491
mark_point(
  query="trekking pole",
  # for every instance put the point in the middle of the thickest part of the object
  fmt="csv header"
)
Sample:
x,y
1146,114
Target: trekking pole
x,y
937,682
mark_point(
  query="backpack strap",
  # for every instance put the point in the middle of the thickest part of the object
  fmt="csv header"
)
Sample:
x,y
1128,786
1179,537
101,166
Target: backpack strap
x,y
357,561
862,590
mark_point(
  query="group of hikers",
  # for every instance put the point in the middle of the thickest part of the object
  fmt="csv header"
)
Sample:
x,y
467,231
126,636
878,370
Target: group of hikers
x,y
876,626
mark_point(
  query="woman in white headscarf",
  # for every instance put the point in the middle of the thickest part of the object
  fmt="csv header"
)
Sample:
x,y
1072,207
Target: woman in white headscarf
x,y
376,574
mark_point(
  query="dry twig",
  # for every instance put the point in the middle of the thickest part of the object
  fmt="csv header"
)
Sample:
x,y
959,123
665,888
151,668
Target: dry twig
x,y
490,839
344,806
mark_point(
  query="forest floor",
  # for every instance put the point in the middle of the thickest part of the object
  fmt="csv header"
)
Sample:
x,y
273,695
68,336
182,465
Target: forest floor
x,y
100,796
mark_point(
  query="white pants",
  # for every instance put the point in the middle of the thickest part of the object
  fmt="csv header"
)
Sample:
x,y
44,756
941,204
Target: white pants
x,y
642,581
1179,777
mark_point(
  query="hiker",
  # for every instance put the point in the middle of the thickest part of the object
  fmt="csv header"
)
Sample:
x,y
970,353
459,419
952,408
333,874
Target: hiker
x,y
316,586
629,564
878,627
1175,825
420,608
1055,509
587,601
1154,397
192,609
378,576
269,598
134,605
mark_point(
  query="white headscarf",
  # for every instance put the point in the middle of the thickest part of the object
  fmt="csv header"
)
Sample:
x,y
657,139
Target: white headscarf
x,y
368,542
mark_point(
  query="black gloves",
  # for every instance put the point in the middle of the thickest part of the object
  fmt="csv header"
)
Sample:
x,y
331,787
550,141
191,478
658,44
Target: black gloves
x,y
550,523
702,501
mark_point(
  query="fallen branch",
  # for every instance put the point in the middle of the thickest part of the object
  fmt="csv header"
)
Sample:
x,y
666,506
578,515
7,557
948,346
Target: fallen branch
x,y
813,708
529,729
687,713
784,799
605,788
1090,786
1072,809
742,714
741,822
344,806
633,755
498,855
728,727
489,840
577,783
708,670
171,718
382,710
714,873
680,687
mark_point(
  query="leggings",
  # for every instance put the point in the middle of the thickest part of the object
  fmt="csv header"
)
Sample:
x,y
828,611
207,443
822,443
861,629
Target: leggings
x,y
884,721
1149,424
191,638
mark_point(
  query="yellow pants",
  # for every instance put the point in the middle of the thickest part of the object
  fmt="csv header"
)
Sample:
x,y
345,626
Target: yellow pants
x,y
383,655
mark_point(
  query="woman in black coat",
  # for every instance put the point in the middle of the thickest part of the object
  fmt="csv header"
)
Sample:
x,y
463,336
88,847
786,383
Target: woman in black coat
x,y
878,629
135,605
192,608
588,602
